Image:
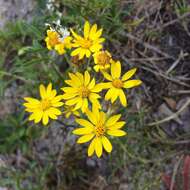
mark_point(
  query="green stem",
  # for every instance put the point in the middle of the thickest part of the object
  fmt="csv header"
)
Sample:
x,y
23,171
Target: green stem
x,y
17,77
57,71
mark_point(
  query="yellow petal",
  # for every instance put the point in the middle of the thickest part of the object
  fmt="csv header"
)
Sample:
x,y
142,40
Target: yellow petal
x,y
122,98
54,111
129,74
92,31
56,99
49,89
84,123
95,103
42,91
74,78
117,125
32,117
109,93
94,96
102,117
115,69
107,76
105,85
96,68
82,131
97,34
132,83
86,78
91,117
51,114
45,118
38,116
112,120
58,104
71,83
88,53
116,133
114,95
86,29
78,104
91,84
76,35
82,53
67,96
98,147
85,138
106,144
91,148
69,89
52,94
30,105
32,100
72,101
96,112
80,76
76,52
95,47
97,88
100,40
84,105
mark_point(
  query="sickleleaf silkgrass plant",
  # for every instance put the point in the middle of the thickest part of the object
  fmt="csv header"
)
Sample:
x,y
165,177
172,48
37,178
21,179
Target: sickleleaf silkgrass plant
x,y
84,97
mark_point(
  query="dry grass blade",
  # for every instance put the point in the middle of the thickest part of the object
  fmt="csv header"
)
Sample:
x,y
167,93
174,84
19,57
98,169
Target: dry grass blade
x,y
166,77
175,172
172,116
172,22
147,45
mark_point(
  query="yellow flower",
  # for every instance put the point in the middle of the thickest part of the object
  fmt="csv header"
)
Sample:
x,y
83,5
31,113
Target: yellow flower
x,y
69,110
90,43
102,60
64,44
96,128
81,91
117,83
52,39
46,107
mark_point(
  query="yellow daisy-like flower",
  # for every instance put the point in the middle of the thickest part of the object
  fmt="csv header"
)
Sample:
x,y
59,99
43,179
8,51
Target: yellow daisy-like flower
x,y
82,90
96,128
65,43
69,110
52,39
90,43
46,107
118,83
102,60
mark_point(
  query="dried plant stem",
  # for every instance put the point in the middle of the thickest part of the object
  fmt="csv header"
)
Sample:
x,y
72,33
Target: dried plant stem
x,y
171,116
147,45
17,77
166,77
172,22
175,172
56,69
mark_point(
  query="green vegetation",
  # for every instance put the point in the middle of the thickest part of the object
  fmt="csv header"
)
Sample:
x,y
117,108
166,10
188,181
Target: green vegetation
x,y
31,155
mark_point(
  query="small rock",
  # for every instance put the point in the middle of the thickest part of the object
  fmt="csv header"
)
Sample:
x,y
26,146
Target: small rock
x,y
11,10
123,186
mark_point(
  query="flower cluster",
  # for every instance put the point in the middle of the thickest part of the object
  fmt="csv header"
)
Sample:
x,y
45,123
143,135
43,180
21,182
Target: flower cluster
x,y
85,97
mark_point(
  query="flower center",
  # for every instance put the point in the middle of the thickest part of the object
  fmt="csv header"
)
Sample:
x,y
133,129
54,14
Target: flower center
x,y
84,91
117,83
99,129
45,104
54,39
85,43
103,58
